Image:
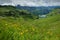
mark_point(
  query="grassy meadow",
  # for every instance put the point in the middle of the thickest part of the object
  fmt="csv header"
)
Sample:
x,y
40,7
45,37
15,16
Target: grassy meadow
x,y
17,28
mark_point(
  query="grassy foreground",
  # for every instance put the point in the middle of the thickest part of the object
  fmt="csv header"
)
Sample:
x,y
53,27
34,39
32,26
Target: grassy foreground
x,y
40,29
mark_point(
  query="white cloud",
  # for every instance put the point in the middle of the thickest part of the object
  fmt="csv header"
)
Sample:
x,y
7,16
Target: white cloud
x,y
32,2
8,4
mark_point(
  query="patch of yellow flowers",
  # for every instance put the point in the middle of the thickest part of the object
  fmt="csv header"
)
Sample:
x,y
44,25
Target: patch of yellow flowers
x,y
6,24
21,33
50,33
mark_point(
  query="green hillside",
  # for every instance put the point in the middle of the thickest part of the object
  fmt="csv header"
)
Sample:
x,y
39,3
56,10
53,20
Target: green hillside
x,y
11,11
54,12
16,28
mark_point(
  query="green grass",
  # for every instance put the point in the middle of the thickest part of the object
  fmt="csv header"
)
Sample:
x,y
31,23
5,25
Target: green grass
x,y
40,29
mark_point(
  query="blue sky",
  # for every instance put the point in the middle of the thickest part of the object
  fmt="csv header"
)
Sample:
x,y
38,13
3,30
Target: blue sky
x,y
31,2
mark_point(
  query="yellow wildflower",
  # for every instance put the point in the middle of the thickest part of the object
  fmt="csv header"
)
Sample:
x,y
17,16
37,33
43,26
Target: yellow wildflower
x,y
26,30
6,24
33,29
49,32
15,25
21,33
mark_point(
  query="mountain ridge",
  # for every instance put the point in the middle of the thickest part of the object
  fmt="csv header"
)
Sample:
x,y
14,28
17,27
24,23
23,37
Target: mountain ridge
x,y
40,10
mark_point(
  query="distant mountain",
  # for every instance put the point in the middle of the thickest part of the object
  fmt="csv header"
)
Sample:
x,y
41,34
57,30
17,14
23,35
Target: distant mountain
x,y
38,10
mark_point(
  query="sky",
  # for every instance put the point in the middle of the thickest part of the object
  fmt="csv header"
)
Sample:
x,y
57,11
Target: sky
x,y
31,2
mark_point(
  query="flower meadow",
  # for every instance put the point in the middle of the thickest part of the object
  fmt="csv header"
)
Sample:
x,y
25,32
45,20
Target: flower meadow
x,y
40,29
